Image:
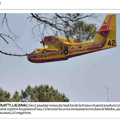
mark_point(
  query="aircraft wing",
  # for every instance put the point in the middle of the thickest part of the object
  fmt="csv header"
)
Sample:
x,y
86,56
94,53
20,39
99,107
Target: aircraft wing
x,y
58,41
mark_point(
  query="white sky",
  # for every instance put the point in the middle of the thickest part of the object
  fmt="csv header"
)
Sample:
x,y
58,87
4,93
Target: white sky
x,y
81,78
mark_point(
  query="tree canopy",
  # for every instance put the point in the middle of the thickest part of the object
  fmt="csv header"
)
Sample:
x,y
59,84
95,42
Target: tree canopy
x,y
4,96
69,25
42,93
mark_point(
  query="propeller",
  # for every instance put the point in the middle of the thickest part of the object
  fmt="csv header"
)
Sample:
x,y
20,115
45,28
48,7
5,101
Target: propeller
x,y
42,42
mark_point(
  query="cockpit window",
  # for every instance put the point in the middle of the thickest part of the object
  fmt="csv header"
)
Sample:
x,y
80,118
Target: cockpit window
x,y
36,50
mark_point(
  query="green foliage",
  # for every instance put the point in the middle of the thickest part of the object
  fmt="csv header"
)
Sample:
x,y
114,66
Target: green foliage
x,y
83,31
4,96
42,93
16,97
69,25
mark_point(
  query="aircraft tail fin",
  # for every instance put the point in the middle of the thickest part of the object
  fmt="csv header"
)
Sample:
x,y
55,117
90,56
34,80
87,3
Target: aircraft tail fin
x,y
108,30
106,35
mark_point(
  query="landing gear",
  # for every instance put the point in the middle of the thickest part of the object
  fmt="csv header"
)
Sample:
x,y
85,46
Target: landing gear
x,y
66,51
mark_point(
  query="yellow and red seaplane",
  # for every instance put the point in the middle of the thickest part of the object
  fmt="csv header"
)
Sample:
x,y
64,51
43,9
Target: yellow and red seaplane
x,y
61,49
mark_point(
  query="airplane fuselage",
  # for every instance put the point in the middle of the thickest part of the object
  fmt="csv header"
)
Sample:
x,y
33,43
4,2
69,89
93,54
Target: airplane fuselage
x,y
58,55
60,49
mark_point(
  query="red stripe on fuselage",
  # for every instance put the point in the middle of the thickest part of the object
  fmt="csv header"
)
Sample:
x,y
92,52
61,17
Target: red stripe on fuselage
x,y
92,48
32,58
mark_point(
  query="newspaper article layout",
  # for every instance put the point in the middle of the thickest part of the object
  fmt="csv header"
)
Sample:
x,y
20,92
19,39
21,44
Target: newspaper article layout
x,y
59,60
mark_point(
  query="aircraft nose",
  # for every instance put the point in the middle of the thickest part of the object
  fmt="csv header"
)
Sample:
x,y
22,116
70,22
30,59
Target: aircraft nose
x,y
31,57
